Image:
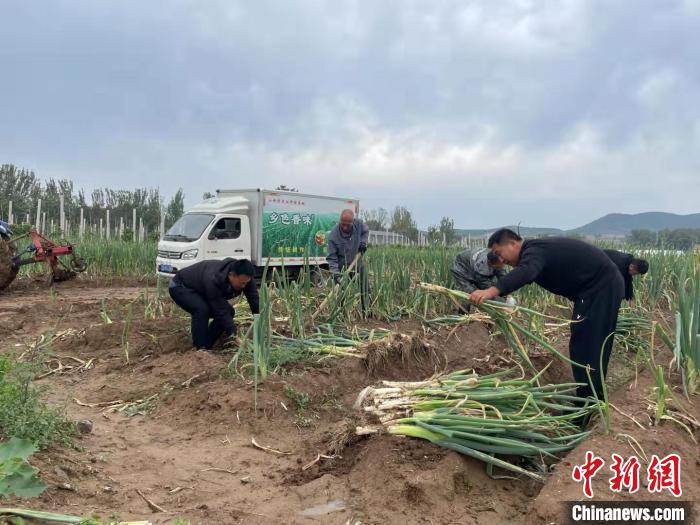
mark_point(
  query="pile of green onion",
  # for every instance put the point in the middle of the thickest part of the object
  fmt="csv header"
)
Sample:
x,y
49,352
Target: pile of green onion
x,y
484,416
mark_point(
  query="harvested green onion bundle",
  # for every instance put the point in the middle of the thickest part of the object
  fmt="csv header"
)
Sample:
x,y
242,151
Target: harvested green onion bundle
x,y
315,345
483,416
503,316
54,517
327,341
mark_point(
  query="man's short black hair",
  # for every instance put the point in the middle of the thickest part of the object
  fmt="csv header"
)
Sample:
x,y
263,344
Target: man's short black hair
x,y
503,235
642,265
493,259
243,267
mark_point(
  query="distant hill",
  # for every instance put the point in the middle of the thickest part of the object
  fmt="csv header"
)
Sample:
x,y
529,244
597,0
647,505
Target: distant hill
x,y
613,224
623,224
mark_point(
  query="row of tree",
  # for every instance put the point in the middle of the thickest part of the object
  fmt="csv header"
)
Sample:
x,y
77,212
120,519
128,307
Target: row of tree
x,y
680,239
23,189
400,220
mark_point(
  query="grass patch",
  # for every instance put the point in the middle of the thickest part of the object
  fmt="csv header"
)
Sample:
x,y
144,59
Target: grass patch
x,y
23,413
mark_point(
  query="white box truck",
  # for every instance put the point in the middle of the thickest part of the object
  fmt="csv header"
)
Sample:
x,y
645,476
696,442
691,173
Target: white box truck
x,y
281,227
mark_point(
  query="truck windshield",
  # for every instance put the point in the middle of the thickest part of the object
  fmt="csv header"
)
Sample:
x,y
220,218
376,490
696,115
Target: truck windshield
x,y
189,227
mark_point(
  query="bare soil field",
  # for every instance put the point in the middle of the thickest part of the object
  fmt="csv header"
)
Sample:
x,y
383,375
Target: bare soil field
x,y
174,429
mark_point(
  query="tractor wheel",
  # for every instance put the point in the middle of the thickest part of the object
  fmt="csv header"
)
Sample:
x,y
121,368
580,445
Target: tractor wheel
x,y
8,271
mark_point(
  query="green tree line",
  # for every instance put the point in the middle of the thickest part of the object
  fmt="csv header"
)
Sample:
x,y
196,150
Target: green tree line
x,y
680,239
23,188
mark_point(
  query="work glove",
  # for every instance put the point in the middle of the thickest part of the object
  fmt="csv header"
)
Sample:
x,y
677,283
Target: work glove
x,y
362,248
337,278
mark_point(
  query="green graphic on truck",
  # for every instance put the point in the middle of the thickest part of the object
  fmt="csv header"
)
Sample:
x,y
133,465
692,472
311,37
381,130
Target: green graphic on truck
x,y
294,234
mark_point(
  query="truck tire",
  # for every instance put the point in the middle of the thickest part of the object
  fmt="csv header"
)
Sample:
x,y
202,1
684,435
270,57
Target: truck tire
x,y
8,271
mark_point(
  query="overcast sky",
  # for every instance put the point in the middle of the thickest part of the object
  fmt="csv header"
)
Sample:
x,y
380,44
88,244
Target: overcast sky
x,y
549,113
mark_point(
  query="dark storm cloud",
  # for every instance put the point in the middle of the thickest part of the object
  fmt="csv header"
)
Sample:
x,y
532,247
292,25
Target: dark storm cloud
x,y
541,112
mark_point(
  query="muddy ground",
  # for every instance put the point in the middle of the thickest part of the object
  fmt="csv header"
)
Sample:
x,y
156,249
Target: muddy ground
x,y
188,448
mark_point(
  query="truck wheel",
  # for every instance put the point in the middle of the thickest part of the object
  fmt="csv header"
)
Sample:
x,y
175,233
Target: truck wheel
x,y
8,271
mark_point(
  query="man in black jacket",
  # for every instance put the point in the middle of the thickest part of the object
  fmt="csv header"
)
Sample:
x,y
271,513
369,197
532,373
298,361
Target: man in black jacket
x,y
204,290
578,271
628,267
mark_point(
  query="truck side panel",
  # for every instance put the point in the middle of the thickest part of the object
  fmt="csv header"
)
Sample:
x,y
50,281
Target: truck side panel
x,y
287,225
295,225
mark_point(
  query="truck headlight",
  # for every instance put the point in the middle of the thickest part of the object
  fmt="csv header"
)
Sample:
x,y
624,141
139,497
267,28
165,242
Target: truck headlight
x,y
190,254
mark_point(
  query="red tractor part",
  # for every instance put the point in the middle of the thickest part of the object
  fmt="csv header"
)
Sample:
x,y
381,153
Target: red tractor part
x,y
41,250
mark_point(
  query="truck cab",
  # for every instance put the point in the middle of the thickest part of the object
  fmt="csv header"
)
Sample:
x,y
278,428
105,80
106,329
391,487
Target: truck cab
x,y
215,229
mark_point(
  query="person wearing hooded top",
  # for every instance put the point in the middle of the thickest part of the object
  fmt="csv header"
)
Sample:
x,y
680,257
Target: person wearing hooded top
x,y
578,271
204,290
629,266
478,270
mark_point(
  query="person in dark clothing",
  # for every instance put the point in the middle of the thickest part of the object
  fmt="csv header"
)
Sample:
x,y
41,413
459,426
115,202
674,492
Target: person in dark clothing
x,y
628,266
204,290
578,271
346,241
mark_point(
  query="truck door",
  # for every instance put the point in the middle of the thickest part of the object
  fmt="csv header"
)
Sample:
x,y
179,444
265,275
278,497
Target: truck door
x,y
228,236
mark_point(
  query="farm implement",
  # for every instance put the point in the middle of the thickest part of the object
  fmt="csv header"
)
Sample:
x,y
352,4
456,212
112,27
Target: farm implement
x,y
60,258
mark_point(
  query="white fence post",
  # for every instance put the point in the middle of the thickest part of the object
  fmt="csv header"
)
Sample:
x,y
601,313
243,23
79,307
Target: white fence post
x,y
61,213
37,222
